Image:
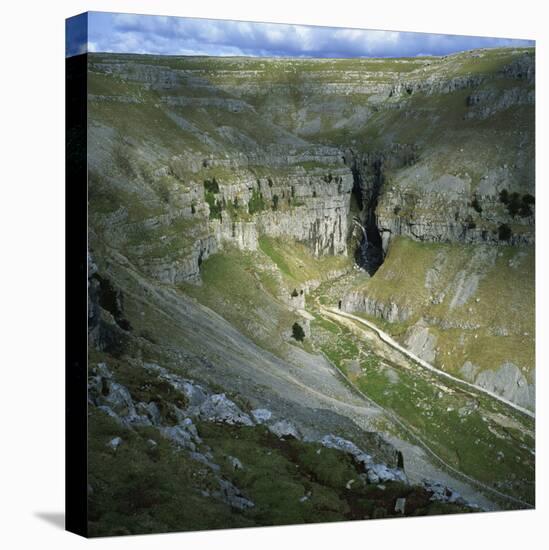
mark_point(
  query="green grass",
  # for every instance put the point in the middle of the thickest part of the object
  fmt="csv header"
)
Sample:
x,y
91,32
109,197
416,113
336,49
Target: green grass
x,y
236,287
504,298
297,263
144,488
469,442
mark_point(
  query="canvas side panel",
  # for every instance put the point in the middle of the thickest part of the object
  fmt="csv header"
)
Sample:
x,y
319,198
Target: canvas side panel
x,y
76,295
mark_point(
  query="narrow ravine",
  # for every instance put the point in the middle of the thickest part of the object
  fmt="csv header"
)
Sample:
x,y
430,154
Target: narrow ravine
x,y
369,253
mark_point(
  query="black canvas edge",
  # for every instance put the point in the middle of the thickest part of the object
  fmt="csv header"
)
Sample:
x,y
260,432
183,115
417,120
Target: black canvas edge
x,y
76,295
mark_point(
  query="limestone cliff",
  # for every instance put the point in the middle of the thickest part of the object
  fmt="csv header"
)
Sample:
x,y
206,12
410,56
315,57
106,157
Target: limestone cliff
x,y
190,155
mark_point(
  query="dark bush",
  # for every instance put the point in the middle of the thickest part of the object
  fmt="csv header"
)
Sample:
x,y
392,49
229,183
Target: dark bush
x,y
297,332
295,293
525,207
211,186
256,204
513,204
476,205
215,207
504,232
528,199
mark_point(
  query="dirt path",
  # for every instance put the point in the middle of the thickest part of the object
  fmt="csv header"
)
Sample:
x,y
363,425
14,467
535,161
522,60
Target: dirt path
x,y
395,345
415,451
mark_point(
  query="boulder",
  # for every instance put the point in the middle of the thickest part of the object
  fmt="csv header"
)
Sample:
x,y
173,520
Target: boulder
x,y
231,495
400,505
284,428
261,415
182,435
218,408
114,443
235,463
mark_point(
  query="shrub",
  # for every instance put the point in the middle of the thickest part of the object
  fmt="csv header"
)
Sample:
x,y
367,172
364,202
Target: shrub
x,y
504,232
379,513
513,204
504,196
211,186
295,293
297,332
215,207
527,201
256,204
476,205
275,202
164,191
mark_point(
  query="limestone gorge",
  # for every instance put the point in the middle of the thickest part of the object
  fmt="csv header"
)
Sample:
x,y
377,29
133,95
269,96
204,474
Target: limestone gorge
x,y
385,208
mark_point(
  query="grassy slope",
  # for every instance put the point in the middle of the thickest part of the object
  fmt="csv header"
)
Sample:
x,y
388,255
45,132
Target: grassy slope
x,y
470,441
145,488
460,430
504,299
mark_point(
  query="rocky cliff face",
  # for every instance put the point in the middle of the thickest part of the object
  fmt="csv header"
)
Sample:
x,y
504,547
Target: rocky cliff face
x,y
190,155
223,151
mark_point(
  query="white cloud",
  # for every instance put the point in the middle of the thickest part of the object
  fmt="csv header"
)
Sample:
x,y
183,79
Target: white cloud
x,y
184,36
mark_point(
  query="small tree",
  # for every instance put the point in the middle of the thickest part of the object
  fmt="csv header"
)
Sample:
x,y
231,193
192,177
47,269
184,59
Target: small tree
x,y
513,204
504,232
476,205
504,196
525,207
295,293
297,332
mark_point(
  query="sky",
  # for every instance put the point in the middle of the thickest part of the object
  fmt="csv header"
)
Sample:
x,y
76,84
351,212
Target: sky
x,y
152,34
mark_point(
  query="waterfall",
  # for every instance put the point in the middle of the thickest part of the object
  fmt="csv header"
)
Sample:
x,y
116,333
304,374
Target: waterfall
x,y
363,229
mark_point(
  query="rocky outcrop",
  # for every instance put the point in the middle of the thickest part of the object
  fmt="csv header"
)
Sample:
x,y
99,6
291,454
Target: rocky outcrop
x,y
376,473
509,382
388,311
217,408
186,268
261,143
115,400
421,342
485,103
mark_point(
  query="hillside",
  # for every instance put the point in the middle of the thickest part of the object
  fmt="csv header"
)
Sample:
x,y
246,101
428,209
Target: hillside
x,y
229,198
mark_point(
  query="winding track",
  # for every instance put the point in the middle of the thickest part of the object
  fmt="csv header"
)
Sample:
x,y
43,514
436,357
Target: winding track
x,y
331,312
395,345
